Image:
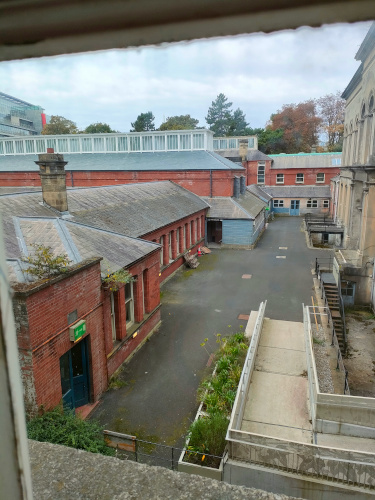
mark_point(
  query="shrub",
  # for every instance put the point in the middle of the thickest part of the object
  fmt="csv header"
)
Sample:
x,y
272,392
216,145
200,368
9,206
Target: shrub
x,y
207,435
64,427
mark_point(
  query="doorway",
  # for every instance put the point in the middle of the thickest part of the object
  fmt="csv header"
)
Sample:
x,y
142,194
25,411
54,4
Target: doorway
x,y
214,231
74,371
294,207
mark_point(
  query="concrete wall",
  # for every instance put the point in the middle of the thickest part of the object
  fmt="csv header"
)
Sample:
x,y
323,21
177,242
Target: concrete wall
x,y
279,482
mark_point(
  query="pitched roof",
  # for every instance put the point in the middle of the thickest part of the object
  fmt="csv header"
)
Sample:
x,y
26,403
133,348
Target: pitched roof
x,y
306,160
256,155
170,160
225,208
77,241
259,192
246,206
251,203
298,191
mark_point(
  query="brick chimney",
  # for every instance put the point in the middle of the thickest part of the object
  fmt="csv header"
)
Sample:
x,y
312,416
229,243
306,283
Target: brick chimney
x,y
243,145
52,174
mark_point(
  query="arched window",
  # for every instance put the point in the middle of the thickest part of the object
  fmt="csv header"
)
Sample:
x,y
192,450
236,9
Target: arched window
x,y
371,104
363,111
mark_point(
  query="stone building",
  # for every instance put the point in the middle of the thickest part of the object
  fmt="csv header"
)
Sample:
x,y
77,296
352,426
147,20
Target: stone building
x,y
73,330
354,191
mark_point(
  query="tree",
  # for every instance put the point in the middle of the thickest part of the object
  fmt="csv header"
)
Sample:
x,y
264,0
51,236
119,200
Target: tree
x,y
182,122
332,112
144,122
98,128
60,125
219,116
238,125
271,141
44,264
300,124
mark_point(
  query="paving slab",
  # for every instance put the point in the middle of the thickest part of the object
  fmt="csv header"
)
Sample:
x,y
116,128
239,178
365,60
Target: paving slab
x,y
284,334
281,432
283,361
345,442
278,399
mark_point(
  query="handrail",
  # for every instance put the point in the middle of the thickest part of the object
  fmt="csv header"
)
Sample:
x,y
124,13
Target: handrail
x,y
342,310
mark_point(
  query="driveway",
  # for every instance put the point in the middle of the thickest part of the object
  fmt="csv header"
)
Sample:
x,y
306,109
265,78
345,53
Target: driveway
x,y
158,399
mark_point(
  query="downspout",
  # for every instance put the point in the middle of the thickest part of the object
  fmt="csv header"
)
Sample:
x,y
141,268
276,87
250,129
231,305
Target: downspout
x,y
210,183
71,178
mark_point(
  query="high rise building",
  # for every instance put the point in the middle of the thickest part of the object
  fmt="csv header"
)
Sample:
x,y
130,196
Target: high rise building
x,y
19,117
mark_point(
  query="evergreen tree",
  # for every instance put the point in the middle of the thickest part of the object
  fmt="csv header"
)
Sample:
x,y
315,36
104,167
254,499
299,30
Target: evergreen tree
x,y
98,128
144,122
239,126
182,122
219,116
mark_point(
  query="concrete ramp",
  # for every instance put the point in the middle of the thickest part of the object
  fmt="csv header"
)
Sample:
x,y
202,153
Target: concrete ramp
x,y
277,402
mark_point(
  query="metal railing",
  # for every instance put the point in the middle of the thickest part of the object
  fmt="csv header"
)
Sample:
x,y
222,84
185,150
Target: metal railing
x,y
130,447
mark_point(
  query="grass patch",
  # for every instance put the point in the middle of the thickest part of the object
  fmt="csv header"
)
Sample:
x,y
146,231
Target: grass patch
x,y
63,427
317,341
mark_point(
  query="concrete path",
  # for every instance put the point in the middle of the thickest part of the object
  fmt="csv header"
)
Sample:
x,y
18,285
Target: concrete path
x,y
159,398
277,402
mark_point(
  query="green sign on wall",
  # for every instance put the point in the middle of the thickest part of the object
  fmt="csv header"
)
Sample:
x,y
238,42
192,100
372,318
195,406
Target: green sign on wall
x,y
77,331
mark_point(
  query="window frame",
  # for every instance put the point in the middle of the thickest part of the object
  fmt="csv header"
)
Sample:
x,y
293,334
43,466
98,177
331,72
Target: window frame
x,y
321,174
303,178
325,203
279,181
129,322
261,172
113,316
278,203
312,203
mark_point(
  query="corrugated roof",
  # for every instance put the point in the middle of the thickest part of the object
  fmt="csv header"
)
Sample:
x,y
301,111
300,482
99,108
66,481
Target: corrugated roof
x,y
182,160
305,160
298,191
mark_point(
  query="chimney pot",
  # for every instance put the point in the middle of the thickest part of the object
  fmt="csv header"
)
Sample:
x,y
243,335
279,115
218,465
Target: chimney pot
x,y
243,145
50,150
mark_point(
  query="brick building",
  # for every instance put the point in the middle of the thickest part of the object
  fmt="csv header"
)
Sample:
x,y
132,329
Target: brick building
x,y
184,157
143,228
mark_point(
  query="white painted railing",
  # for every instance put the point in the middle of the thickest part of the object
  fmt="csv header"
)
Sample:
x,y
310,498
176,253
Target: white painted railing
x,y
133,142
247,370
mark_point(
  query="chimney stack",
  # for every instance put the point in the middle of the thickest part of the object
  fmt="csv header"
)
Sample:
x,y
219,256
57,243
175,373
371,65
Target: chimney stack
x,y
236,187
52,174
242,184
243,145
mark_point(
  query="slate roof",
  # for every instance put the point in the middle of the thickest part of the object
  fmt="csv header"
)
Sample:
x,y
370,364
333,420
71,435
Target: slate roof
x,y
259,192
298,191
256,155
225,208
77,241
251,203
99,219
304,160
182,160
246,206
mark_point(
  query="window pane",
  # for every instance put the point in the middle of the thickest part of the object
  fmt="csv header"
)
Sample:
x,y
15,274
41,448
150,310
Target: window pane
x,y
172,142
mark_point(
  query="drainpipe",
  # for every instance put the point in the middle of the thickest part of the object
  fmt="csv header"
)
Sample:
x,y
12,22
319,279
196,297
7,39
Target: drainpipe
x,y
210,183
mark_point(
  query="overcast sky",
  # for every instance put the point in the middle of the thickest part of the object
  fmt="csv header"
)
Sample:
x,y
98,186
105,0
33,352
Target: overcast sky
x,y
258,73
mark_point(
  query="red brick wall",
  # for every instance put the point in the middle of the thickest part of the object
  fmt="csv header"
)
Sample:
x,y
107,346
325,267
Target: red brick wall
x,y
117,353
169,267
289,175
46,336
196,181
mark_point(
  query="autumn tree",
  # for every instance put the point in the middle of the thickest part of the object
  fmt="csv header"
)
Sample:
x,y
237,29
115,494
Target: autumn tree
x,y
144,122
98,128
300,124
332,113
60,125
219,116
182,122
